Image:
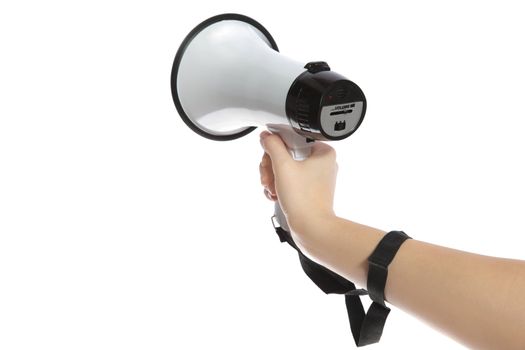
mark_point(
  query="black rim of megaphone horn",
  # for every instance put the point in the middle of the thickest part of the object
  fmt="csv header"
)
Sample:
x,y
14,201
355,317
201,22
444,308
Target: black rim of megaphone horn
x,y
178,58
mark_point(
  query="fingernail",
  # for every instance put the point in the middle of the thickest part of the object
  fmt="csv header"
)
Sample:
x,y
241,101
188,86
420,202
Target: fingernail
x,y
264,134
269,194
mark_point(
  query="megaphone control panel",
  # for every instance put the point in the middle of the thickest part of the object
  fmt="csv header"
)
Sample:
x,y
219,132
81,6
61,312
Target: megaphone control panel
x,y
323,105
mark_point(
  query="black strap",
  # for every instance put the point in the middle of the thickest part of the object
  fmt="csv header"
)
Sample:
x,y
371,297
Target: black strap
x,y
366,328
378,263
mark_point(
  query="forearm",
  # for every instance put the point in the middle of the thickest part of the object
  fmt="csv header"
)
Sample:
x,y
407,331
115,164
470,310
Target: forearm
x,y
476,299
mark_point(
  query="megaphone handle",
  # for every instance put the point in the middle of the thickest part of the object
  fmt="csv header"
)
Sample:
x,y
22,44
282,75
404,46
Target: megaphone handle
x,y
300,148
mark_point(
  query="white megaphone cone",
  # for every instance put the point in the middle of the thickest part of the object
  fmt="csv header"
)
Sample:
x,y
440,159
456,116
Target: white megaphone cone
x,y
228,78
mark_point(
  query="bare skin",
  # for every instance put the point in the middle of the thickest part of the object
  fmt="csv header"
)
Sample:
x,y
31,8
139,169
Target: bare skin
x,y
447,288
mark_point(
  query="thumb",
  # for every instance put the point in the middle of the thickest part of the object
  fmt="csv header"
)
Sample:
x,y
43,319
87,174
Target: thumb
x,y
275,147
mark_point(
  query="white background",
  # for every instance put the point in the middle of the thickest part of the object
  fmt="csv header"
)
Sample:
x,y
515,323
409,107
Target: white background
x,y
122,229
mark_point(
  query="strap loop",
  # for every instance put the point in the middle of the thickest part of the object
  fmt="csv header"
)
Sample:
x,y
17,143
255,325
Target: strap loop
x,y
378,263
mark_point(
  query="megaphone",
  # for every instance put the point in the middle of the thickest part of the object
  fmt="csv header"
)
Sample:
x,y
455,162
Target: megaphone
x,y
228,78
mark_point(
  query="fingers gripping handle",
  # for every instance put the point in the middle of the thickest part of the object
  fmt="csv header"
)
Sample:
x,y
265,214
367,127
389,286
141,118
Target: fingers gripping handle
x,y
300,149
297,145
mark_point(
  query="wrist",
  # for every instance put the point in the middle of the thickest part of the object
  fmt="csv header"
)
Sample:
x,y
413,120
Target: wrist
x,y
315,236
342,246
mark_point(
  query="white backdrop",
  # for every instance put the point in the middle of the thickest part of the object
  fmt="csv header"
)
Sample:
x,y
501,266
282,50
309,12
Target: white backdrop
x,y
122,229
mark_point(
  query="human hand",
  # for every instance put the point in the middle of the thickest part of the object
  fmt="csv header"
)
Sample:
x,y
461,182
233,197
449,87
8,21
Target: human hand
x,y
304,189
